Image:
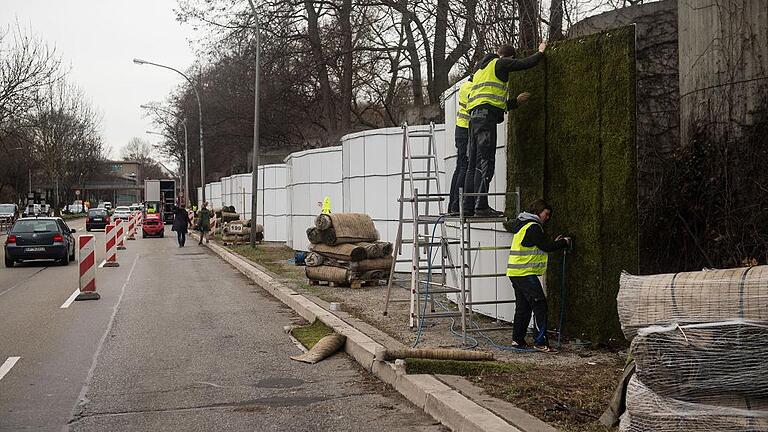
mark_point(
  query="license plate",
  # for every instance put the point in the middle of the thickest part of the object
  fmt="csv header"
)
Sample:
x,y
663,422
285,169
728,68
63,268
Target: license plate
x,y
97,219
35,249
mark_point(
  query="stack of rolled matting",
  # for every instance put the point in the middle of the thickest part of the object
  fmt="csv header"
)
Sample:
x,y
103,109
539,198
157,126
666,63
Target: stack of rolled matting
x,y
240,232
699,344
345,250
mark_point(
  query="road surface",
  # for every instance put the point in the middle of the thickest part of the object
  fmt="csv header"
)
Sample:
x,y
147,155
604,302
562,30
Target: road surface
x,y
180,341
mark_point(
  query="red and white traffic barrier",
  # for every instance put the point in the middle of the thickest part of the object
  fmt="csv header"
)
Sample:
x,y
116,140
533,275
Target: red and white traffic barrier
x,y
111,247
120,234
131,227
87,259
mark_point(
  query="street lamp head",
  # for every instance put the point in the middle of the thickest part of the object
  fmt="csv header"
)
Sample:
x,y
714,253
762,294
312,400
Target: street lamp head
x,y
139,61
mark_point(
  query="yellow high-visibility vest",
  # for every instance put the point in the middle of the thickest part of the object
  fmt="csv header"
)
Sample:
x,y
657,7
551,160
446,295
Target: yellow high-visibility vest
x,y
487,88
523,260
462,115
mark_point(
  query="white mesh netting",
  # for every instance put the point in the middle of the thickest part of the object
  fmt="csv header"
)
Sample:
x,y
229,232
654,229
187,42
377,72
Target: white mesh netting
x,y
648,411
700,344
696,361
694,297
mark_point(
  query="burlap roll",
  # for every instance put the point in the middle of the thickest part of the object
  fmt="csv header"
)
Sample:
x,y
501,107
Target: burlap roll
x,y
314,235
348,228
373,264
386,248
342,252
328,274
692,362
693,297
372,250
649,411
314,259
323,222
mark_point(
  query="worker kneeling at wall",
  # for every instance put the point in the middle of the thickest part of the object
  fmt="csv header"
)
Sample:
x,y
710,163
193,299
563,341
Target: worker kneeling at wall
x,y
527,261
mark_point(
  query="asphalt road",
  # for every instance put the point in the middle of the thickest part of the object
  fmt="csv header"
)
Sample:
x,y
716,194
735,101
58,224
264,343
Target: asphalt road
x,y
179,341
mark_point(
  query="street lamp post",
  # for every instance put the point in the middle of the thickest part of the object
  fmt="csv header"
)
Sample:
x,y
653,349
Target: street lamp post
x,y
255,163
200,114
186,148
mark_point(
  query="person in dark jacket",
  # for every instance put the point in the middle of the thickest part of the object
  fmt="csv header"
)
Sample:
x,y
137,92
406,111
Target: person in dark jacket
x,y
487,104
181,225
528,256
204,222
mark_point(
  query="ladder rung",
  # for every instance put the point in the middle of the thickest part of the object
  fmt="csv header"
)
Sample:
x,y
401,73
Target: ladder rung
x,y
429,178
428,199
423,156
440,314
487,275
488,302
425,244
474,220
419,135
439,267
486,248
441,291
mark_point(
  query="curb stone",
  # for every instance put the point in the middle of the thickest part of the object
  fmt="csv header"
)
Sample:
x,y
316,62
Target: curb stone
x,y
443,403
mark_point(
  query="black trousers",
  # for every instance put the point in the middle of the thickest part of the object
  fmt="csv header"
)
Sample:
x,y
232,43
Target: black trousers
x,y
482,157
529,298
181,237
459,174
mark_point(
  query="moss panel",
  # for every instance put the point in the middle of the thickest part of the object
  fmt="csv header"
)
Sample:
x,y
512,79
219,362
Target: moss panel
x,y
576,149
573,176
525,159
619,185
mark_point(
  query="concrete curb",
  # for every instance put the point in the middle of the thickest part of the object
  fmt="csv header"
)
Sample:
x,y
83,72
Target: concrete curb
x,y
437,399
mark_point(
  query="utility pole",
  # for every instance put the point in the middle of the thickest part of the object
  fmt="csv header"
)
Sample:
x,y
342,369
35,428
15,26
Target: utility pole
x,y
255,163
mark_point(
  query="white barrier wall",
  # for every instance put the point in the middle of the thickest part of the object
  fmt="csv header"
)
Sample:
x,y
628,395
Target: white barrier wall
x,y
311,176
371,174
484,262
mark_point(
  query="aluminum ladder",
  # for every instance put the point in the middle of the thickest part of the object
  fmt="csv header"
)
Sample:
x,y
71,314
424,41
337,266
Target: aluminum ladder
x,y
421,283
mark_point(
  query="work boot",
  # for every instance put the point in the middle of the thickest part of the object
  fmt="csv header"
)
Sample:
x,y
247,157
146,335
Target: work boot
x,y
488,212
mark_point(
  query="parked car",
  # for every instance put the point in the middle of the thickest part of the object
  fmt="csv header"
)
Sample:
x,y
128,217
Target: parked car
x,y
107,205
39,238
122,212
97,218
153,226
9,213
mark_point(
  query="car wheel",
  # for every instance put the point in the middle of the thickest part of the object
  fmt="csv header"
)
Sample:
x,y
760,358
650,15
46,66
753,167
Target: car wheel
x,y
87,229
8,262
143,235
64,261
72,256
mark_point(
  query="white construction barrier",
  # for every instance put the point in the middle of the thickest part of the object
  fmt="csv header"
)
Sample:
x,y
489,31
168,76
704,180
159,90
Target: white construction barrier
x,y
312,175
87,263
120,234
110,259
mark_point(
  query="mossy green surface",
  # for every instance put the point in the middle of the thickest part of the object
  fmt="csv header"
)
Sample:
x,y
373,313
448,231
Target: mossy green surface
x,y
582,155
462,368
309,335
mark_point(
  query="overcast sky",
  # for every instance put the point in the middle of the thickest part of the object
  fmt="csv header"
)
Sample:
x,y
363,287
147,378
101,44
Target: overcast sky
x,y
98,39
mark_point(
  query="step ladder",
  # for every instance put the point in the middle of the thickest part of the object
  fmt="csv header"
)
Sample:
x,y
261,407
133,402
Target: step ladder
x,y
424,216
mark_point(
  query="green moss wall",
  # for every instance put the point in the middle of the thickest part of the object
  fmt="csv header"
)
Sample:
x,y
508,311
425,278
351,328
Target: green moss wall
x,y
573,144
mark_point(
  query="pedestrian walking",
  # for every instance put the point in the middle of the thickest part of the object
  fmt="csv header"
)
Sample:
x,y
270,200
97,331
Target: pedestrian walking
x,y
181,225
528,256
487,104
204,222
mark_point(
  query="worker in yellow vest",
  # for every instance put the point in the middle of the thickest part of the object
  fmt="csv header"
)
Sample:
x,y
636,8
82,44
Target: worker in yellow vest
x,y
461,138
528,258
487,104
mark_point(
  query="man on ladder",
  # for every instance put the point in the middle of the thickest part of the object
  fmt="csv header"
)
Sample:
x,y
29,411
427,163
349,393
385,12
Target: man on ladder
x,y
486,104
527,261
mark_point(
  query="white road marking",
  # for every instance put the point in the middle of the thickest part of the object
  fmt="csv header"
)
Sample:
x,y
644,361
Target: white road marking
x,y
70,299
81,400
102,264
6,367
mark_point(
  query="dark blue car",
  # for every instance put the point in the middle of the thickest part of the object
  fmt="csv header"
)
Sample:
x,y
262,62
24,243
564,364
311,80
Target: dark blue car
x,y
42,238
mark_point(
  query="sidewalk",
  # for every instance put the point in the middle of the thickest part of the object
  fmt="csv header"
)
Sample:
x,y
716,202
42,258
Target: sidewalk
x,y
453,401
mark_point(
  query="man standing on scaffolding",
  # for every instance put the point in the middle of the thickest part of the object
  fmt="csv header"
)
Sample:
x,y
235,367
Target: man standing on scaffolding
x,y
527,261
486,104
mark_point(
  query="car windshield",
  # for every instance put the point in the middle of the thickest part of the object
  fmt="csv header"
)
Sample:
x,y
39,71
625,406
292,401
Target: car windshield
x,y
122,210
97,212
34,225
7,208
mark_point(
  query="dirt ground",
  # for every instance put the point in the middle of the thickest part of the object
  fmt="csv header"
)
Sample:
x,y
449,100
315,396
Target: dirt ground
x,y
569,390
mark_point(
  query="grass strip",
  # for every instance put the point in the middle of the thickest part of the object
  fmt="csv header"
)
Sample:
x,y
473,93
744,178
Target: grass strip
x,y
462,368
310,334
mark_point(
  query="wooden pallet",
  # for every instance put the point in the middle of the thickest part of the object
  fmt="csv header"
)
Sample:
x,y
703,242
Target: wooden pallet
x,y
354,284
